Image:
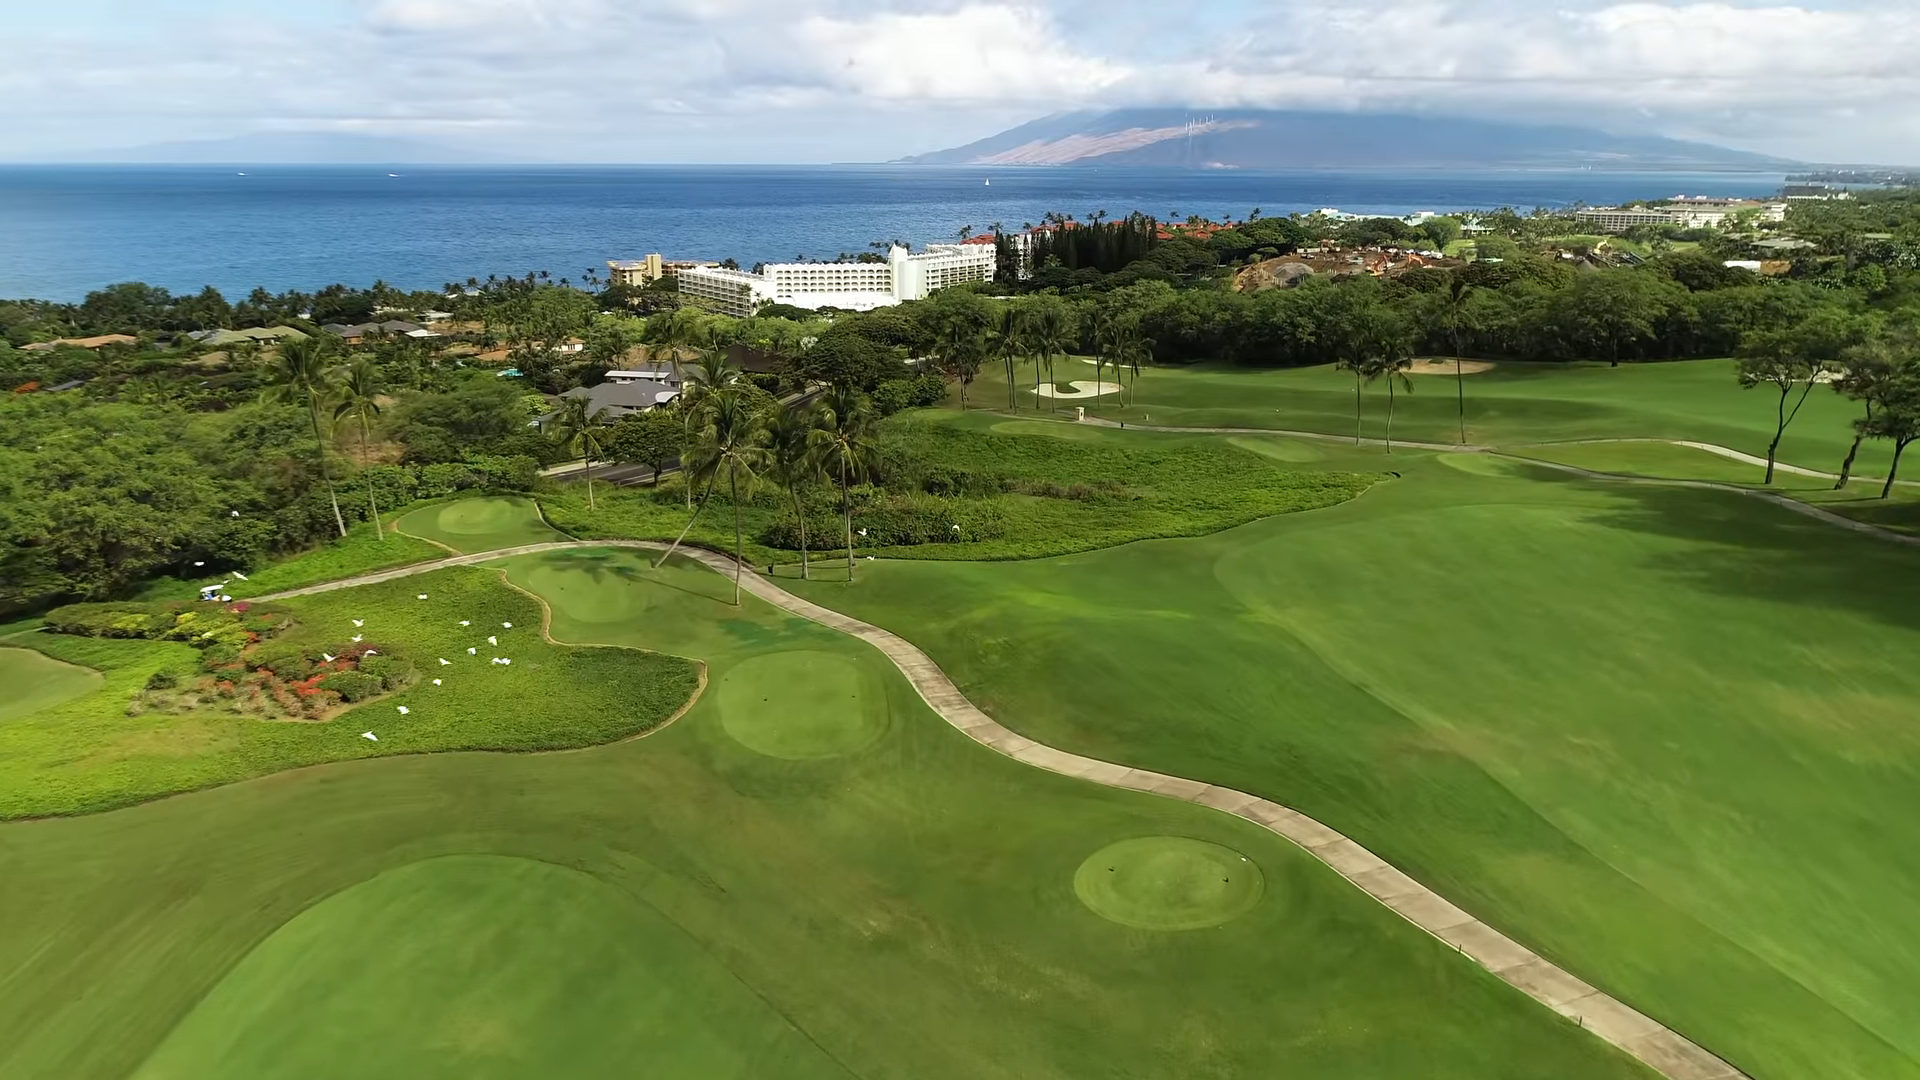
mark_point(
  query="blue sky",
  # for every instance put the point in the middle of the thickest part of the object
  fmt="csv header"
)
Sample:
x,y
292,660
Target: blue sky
x,y
840,80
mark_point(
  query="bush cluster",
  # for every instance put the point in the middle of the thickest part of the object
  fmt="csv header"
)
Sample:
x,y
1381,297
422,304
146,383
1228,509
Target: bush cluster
x,y
353,686
893,520
917,392
204,626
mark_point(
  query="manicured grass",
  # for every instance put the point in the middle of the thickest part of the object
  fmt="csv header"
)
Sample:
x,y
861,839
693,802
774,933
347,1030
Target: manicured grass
x,y
484,523
1661,735
87,754
908,905
1860,500
574,970
35,681
1512,404
1034,487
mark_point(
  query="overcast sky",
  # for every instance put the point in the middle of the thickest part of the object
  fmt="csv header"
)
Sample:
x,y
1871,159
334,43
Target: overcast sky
x,y
863,80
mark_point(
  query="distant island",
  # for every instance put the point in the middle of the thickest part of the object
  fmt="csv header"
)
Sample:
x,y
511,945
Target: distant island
x,y
1271,139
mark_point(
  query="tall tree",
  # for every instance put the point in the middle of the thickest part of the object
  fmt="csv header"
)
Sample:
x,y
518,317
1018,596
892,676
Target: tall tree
x,y
730,440
581,432
957,355
359,393
1009,343
1868,378
300,375
1452,312
1898,420
1393,368
1792,361
847,450
795,460
1049,334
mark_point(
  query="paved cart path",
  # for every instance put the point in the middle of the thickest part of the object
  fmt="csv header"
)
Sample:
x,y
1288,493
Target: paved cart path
x,y
1666,1051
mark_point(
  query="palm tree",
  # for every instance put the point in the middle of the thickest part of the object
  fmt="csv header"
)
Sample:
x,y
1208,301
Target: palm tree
x,y
1130,348
582,433
1007,342
731,439
1392,367
1358,366
1049,335
847,450
1452,304
300,376
359,384
958,355
795,460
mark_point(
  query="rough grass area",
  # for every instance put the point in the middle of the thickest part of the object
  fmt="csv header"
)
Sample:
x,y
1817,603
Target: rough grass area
x,y
1664,736
692,906
1014,494
88,754
361,551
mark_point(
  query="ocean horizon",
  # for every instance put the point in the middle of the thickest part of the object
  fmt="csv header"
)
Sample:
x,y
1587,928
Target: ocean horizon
x,y
70,229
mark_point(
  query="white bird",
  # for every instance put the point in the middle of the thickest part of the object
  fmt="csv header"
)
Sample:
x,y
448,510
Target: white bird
x,y
508,625
200,563
239,575
423,596
357,637
373,652
328,657
236,513
403,709
505,660
370,735
466,622
436,682
491,640
359,622
225,599
444,662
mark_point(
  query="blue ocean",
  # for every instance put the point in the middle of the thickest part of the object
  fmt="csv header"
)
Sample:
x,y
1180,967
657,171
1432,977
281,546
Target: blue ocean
x,y
65,230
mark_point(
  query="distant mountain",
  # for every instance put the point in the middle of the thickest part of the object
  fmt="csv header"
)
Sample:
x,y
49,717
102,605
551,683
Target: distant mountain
x,y
1264,139
290,148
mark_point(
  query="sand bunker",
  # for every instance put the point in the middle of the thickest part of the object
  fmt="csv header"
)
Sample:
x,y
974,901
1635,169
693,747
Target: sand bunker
x,y
1440,365
1069,391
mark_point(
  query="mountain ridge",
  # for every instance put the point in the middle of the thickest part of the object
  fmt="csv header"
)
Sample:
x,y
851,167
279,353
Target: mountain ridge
x,y
1297,139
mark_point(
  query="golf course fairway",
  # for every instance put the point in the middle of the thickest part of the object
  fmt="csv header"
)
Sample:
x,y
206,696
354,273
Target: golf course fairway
x,y
36,681
689,905
1663,736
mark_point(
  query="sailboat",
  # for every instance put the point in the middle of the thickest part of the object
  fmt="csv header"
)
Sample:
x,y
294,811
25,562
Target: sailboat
x,y
989,182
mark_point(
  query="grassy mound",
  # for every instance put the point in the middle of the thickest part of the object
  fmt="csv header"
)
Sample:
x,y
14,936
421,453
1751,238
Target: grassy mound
x,y
802,705
909,908
89,754
487,523
482,966
37,681
1611,720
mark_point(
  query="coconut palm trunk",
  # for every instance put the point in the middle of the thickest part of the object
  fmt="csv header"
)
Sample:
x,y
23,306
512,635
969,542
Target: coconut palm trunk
x,y
739,542
1389,414
675,546
326,474
373,504
800,516
846,516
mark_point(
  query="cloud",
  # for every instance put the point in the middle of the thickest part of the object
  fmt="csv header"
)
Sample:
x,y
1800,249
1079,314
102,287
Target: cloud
x,y
862,78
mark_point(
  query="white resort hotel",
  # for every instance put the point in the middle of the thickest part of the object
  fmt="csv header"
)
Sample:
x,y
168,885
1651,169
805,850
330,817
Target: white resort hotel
x,y
852,286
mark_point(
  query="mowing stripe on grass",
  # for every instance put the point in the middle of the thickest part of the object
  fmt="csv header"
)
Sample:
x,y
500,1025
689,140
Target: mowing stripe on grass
x,y
1651,1042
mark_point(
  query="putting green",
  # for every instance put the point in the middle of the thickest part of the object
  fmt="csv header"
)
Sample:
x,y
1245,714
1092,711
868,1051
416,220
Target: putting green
x,y
36,681
1168,883
481,966
481,524
1278,449
590,586
802,705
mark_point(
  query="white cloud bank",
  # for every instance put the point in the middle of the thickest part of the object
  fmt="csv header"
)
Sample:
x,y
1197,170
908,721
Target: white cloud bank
x,y
821,79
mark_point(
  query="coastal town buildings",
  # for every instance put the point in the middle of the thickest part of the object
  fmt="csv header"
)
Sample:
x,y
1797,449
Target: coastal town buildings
x,y
640,273
850,286
1696,212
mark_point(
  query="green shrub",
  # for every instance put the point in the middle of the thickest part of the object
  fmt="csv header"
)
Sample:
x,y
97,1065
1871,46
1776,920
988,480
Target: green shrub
x,y
353,685
116,620
162,680
392,671
444,479
283,659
